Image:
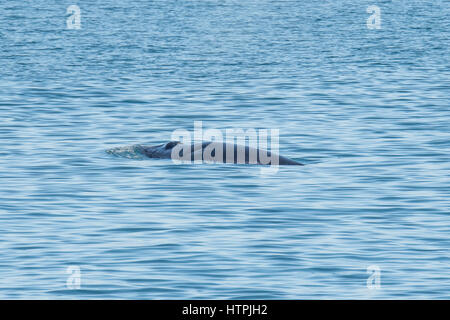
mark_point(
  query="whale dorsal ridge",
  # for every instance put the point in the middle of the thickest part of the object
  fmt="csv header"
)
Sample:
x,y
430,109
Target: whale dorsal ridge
x,y
171,144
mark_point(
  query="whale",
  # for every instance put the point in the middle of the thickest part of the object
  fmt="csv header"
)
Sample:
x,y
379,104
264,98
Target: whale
x,y
216,152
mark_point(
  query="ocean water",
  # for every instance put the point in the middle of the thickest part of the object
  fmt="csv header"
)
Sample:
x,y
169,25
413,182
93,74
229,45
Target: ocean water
x,y
367,111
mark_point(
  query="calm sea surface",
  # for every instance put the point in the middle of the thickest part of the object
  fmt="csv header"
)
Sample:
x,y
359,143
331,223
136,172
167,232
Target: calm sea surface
x,y
367,111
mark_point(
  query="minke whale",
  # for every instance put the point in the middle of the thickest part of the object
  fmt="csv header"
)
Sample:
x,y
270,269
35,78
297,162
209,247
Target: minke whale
x,y
218,152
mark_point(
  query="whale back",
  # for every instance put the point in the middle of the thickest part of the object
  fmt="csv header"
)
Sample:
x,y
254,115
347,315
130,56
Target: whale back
x,y
216,152
229,153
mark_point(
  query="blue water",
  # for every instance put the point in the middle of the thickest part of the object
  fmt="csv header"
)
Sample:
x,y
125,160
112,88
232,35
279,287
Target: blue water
x,y
367,111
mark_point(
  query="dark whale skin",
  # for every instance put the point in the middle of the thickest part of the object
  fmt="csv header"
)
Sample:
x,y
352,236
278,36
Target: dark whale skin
x,y
252,155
